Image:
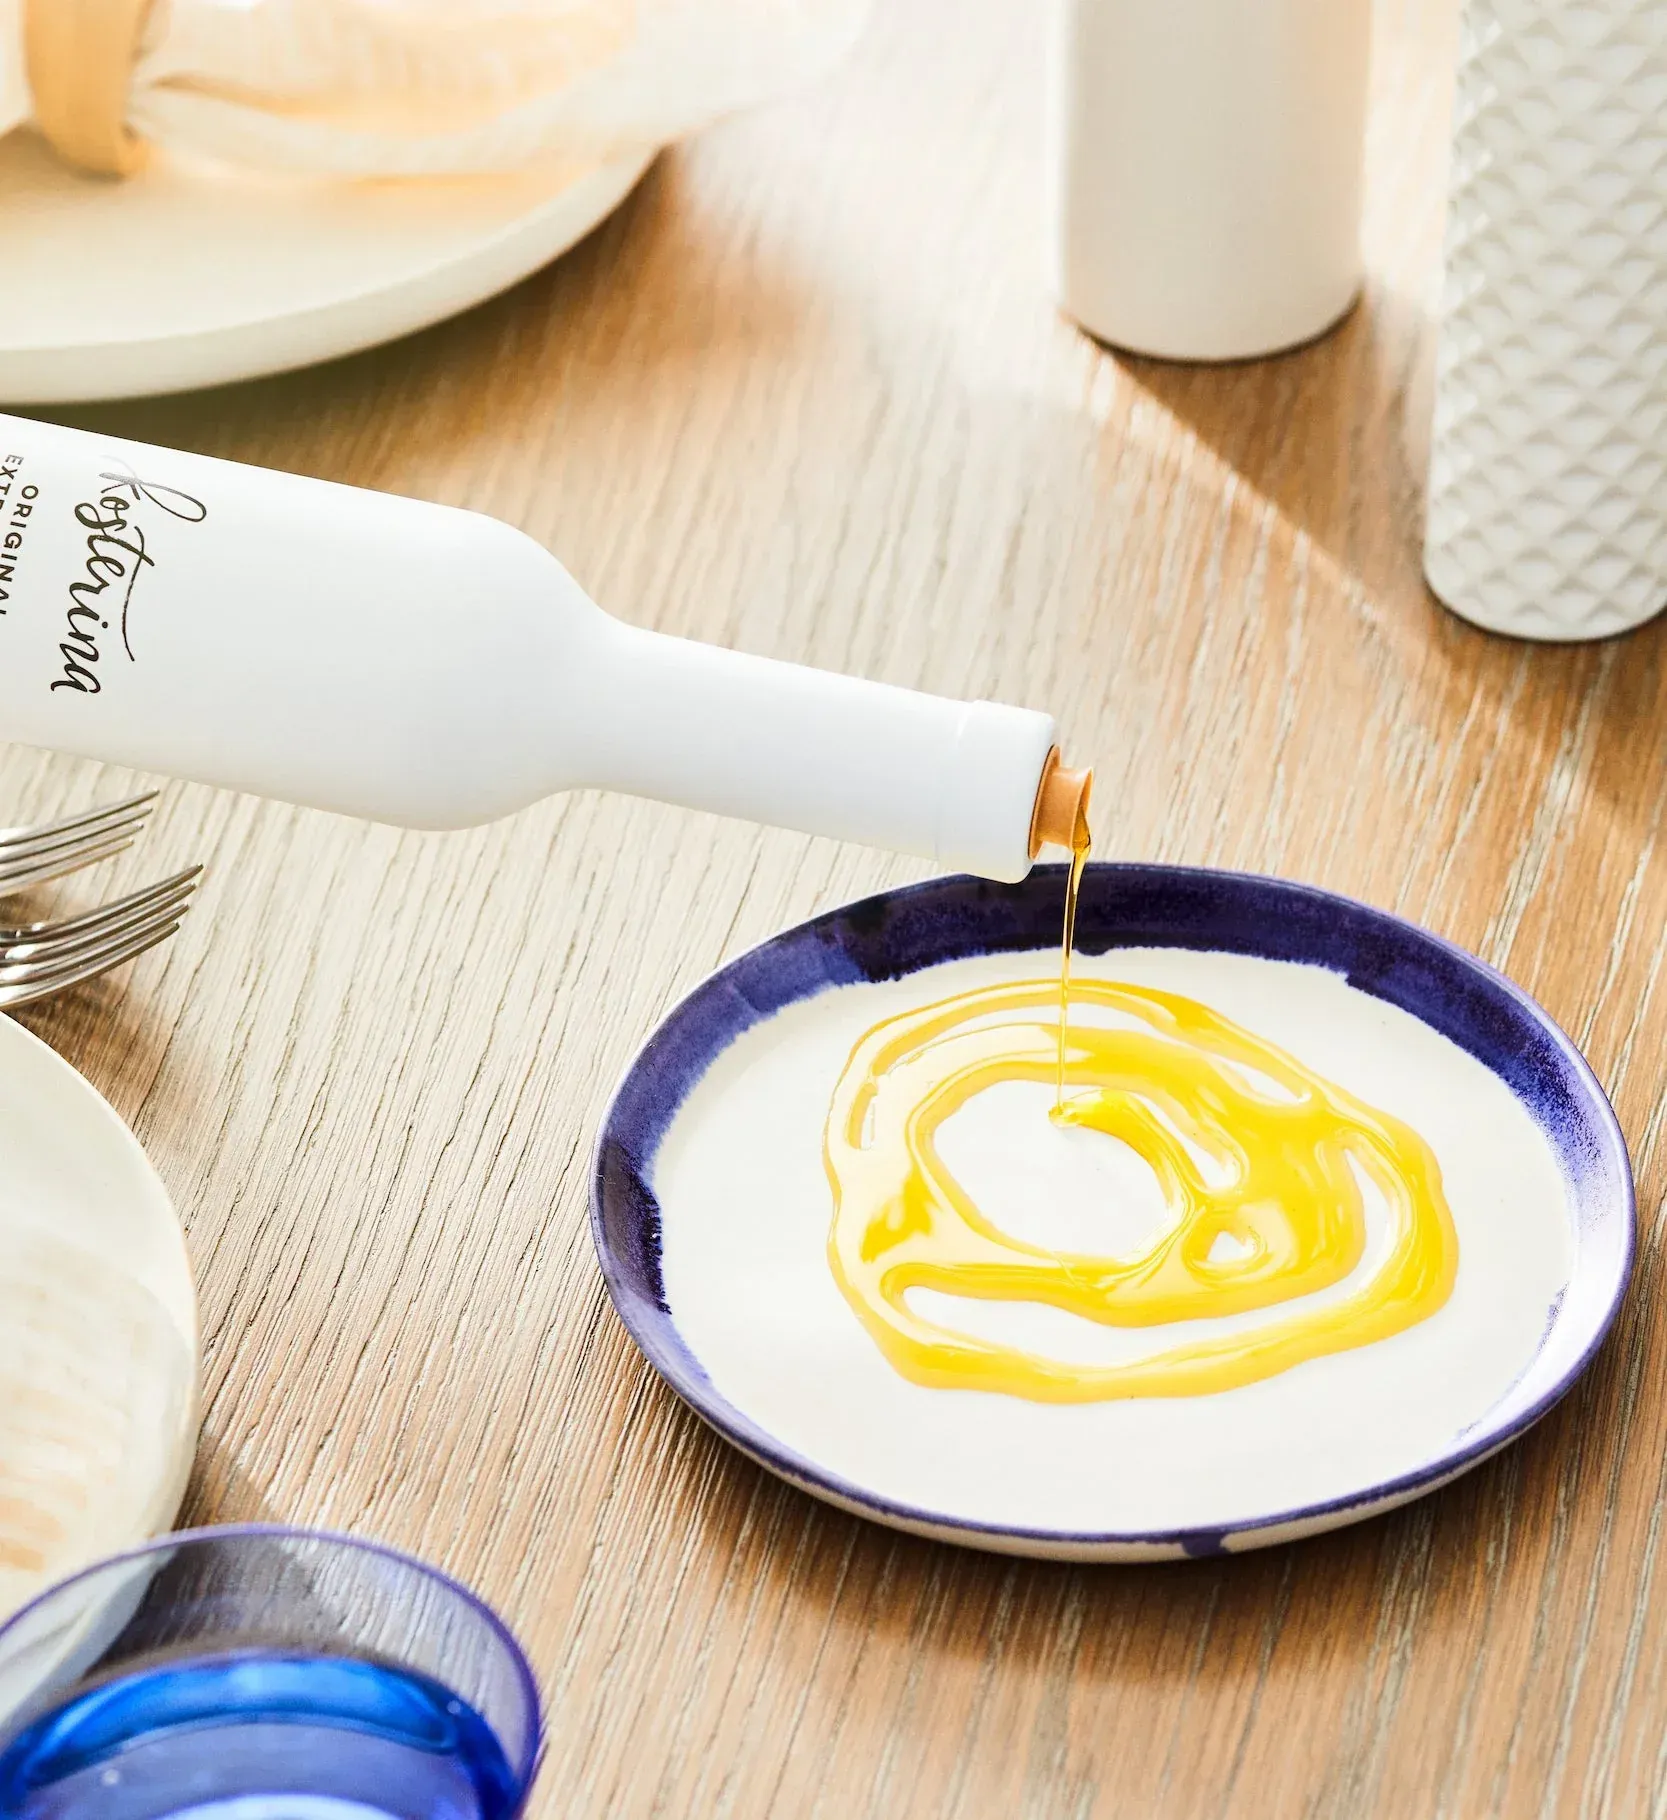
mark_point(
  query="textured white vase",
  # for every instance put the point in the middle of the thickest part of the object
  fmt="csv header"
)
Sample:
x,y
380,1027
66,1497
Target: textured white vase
x,y
1548,470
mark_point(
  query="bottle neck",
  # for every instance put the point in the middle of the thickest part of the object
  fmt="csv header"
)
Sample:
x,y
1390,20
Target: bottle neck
x,y
779,743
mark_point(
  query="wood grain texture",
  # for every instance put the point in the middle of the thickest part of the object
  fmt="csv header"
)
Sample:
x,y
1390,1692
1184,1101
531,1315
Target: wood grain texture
x,y
806,394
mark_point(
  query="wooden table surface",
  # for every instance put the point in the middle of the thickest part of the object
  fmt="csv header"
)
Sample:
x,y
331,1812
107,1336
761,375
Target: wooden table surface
x,y
806,394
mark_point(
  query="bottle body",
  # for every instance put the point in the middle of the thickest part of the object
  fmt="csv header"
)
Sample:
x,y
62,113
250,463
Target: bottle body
x,y
1548,466
417,664
1206,161
271,633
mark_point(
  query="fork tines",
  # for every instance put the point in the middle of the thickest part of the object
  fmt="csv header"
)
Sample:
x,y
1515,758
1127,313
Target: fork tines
x,y
37,959
32,856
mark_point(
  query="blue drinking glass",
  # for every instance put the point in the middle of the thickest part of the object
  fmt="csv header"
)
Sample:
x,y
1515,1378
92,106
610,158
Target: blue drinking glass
x,y
263,1673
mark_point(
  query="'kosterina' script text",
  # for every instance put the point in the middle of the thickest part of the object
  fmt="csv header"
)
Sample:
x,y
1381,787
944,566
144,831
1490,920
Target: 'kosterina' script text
x,y
117,552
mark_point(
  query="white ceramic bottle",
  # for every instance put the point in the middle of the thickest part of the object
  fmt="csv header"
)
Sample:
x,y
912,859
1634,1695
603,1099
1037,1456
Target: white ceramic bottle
x,y
1206,164
1548,465
421,665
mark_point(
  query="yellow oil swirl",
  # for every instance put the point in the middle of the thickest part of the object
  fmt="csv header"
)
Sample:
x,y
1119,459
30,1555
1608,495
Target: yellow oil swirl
x,y
1247,1144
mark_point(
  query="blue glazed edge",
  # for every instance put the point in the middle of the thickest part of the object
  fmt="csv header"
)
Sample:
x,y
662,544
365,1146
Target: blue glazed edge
x,y
1122,906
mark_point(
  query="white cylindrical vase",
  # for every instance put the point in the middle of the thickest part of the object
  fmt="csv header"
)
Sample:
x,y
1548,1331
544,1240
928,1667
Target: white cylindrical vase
x,y
1205,161
1548,467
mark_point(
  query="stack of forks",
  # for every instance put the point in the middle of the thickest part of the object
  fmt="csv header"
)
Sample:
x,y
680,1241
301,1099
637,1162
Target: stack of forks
x,y
38,959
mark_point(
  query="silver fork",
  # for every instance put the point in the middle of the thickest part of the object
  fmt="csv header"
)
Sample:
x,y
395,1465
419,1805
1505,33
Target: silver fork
x,y
38,959
32,856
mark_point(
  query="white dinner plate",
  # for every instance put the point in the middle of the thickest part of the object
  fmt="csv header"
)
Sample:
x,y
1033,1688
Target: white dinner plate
x,y
189,276
98,1329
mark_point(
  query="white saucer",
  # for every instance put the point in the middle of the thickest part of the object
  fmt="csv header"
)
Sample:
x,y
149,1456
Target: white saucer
x,y
715,1245
98,1329
186,276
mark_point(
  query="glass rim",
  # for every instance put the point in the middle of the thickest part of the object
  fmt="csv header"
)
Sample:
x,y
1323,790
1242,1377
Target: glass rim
x,y
528,1753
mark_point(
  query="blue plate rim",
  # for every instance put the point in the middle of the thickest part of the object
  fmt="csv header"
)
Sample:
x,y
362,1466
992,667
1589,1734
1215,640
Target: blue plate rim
x,y
656,1335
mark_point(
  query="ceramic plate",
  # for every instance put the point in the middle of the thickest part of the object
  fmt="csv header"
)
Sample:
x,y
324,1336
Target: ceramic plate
x,y
183,276
694,1260
98,1329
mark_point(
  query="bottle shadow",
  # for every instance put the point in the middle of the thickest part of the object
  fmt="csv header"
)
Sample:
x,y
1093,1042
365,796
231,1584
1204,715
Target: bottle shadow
x,y
1333,435
1333,439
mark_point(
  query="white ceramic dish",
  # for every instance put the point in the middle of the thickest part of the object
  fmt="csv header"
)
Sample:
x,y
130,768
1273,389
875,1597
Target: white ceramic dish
x,y
182,277
710,1213
98,1329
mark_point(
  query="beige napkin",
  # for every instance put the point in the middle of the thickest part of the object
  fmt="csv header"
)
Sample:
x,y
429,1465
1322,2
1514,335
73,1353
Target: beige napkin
x,y
377,88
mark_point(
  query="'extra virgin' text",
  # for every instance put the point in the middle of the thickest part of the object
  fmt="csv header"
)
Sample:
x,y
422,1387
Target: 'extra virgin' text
x,y
117,552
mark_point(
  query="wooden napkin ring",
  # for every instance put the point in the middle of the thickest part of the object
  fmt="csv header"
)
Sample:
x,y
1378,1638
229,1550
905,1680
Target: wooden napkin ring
x,y
80,55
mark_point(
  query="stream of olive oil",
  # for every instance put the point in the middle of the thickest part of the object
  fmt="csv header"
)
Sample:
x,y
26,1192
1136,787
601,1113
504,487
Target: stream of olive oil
x,y
1082,843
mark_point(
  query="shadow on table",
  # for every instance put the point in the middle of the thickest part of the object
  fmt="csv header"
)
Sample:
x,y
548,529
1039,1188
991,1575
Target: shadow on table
x,y
107,1033
1333,435
1156,1684
221,1491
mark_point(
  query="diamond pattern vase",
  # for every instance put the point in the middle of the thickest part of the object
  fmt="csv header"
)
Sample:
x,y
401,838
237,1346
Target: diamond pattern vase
x,y
1548,470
